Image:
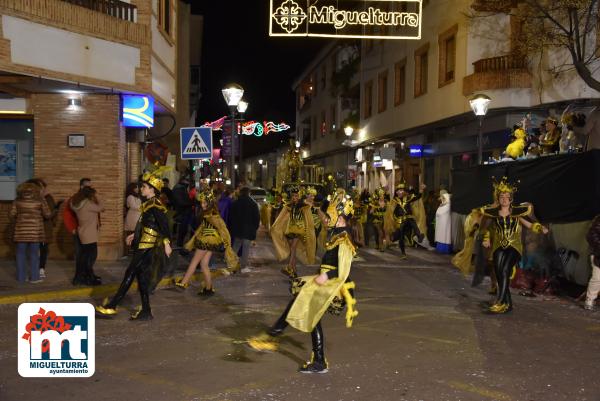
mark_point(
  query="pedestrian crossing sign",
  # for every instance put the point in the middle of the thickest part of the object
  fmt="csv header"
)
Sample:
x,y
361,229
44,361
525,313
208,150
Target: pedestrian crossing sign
x,y
196,143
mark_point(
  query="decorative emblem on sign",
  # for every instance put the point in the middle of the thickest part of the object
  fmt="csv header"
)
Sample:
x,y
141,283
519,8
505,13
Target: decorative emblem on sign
x,y
364,19
289,16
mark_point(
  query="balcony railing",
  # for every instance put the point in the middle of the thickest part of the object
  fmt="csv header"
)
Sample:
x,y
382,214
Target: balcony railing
x,y
501,63
503,72
114,8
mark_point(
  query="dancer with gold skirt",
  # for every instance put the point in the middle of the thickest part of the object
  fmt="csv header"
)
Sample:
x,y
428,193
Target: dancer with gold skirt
x,y
210,236
293,233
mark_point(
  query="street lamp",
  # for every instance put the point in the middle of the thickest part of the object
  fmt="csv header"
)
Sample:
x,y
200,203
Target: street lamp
x,y
241,108
479,104
350,143
232,94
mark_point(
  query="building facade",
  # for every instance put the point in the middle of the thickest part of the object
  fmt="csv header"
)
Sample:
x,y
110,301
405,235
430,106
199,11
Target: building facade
x,y
408,95
64,69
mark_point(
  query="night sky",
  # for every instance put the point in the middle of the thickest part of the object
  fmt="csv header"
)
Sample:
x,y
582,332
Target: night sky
x,y
237,48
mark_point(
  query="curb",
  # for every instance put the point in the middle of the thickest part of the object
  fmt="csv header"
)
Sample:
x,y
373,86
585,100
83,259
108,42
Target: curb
x,y
91,292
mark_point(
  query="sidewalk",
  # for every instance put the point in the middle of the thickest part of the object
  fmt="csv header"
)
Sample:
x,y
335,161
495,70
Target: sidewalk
x,y
57,285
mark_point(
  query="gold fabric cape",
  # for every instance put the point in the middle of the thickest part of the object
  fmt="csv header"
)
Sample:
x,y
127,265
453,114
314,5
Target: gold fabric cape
x,y
265,215
230,257
306,250
313,299
418,212
463,259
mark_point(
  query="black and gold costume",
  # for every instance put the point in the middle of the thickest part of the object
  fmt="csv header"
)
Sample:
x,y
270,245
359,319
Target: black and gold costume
x,y
312,300
212,235
376,216
504,233
296,227
151,233
400,220
294,221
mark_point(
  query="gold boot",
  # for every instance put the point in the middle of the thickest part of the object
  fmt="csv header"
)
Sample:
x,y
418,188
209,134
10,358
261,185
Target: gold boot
x,y
103,310
499,308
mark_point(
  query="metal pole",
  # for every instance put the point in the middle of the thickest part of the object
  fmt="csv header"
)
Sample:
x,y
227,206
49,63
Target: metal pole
x,y
347,167
232,151
241,166
480,142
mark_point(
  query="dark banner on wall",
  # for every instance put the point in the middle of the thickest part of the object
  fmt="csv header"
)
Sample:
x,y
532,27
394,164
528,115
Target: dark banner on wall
x,y
563,188
366,19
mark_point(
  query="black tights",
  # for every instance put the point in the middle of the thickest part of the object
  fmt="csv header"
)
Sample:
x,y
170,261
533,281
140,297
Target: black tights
x,y
138,268
504,261
405,229
318,340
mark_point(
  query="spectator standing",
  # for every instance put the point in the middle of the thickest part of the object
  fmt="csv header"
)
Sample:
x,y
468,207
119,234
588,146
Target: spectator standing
x,y
593,238
48,223
245,219
224,205
71,223
87,208
443,226
28,212
133,203
182,204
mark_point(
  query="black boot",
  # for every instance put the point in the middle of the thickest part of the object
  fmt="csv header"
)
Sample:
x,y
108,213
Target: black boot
x,y
144,313
317,363
280,325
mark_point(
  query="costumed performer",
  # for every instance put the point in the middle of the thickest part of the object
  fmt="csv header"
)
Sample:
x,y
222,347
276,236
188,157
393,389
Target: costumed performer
x,y
400,219
377,210
150,243
319,218
293,233
210,236
463,260
331,290
503,224
550,141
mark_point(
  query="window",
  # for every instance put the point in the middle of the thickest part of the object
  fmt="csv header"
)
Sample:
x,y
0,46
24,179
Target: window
x,y
421,66
368,106
323,75
333,117
323,123
399,82
165,15
382,91
447,66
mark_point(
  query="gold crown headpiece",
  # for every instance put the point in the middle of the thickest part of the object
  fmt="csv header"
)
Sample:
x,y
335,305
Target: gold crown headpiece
x,y
401,185
310,190
154,177
503,186
208,196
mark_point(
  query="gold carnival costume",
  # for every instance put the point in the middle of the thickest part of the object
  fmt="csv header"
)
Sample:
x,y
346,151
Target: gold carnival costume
x,y
212,234
295,221
377,209
504,235
463,259
331,290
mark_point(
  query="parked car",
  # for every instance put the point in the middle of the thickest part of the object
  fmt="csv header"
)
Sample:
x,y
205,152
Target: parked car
x,y
259,195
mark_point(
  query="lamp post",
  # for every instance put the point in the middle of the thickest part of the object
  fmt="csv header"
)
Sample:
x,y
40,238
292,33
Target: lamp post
x,y
479,104
232,94
241,108
348,142
260,162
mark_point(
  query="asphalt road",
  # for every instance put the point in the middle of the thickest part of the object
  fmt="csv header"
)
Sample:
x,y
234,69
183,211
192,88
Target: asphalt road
x,y
421,334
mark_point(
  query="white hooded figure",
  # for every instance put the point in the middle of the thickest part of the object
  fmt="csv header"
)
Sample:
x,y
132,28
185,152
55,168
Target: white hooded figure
x,y
443,228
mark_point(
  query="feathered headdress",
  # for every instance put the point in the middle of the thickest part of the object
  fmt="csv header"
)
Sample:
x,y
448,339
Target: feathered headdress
x,y
310,190
154,177
345,207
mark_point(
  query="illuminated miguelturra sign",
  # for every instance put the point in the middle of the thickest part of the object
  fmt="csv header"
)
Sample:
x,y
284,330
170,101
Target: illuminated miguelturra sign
x,y
365,19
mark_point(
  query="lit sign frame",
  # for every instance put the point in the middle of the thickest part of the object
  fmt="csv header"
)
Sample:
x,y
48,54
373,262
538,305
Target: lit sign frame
x,y
329,18
137,111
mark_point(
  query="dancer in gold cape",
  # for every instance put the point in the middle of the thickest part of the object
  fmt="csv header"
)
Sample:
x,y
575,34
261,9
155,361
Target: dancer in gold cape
x,y
293,234
210,236
463,260
401,217
330,290
376,209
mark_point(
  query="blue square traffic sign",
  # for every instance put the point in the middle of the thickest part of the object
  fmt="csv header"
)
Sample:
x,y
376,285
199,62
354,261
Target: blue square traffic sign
x,y
196,143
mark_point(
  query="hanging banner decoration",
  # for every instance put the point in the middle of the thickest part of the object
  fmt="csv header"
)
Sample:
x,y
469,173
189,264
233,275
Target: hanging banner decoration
x,y
258,129
250,127
363,19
